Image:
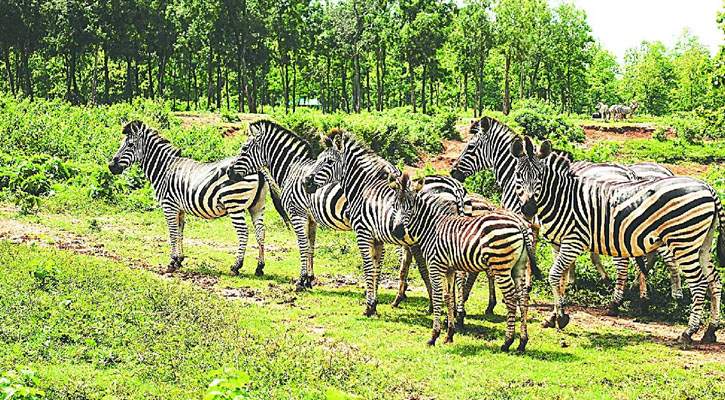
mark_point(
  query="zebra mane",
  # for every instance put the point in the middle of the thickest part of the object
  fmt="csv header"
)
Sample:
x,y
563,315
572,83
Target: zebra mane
x,y
379,166
277,129
560,164
137,127
437,205
488,124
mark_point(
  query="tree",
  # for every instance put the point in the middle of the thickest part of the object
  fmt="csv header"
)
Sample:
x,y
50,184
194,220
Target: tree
x,y
648,77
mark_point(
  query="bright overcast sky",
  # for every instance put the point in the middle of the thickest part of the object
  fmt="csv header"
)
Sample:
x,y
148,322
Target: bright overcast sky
x,y
621,24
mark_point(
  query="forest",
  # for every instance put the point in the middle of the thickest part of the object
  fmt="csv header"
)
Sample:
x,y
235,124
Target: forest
x,y
349,56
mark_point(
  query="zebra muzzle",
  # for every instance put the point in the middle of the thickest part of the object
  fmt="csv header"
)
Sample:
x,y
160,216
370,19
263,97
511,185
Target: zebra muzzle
x,y
114,167
309,185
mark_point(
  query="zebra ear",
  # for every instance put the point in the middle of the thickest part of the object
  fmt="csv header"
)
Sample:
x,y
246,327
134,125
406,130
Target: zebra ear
x,y
325,141
529,146
393,181
485,124
544,150
517,148
419,184
337,142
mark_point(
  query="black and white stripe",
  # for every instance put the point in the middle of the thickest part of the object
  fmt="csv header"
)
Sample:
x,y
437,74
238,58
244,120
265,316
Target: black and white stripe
x,y
184,186
623,219
499,241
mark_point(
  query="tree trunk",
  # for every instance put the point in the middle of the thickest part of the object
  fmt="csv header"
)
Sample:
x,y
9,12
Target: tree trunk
x,y
106,82
129,79
422,88
411,82
506,88
294,85
151,78
8,72
465,93
226,86
188,82
162,72
93,79
356,90
285,87
210,76
367,88
219,86
68,80
343,99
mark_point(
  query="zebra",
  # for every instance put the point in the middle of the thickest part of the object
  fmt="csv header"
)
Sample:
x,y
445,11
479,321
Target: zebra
x,y
364,180
615,111
602,109
500,241
288,159
184,186
488,149
623,219
626,111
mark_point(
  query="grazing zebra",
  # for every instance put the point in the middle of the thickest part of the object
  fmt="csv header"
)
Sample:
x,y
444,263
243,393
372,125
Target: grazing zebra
x,y
497,241
627,111
623,219
615,111
488,149
287,158
602,109
184,186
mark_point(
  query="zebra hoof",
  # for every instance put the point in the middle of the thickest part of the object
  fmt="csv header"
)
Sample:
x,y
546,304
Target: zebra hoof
x,y
709,336
613,310
685,339
522,346
370,310
549,322
459,323
260,270
233,272
433,338
300,285
308,281
563,321
449,336
398,299
489,309
172,267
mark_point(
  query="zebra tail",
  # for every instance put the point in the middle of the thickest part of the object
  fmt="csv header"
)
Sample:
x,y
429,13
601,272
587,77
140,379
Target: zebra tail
x,y
274,192
531,252
721,234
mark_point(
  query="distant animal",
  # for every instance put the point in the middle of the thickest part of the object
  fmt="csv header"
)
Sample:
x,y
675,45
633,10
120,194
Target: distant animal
x,y
184,186
626,111
615,111
601,110
497,241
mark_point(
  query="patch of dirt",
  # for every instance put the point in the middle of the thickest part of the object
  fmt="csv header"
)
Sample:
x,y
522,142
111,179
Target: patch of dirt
x,y
450,152
658,332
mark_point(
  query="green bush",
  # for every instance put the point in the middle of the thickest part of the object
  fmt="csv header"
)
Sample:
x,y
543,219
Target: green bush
x,y
543,123
20,385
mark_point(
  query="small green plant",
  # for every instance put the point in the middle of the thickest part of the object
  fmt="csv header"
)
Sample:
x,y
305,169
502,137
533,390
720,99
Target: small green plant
x,y
660,134
228,385
228,116
105,185
43,272
20,385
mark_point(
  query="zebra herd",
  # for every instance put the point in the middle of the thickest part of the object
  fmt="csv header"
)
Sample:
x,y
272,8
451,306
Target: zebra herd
x,y
615,111
637,211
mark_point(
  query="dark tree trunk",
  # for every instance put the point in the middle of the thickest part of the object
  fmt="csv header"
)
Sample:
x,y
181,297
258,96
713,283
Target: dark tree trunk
x,y
285,87
422,88
294,85
356,89
210,76
129,79
343,99
94,78
8,72
162,72
328,103
219,86
188,82
151,78
106,81
411,82
367,88
465,93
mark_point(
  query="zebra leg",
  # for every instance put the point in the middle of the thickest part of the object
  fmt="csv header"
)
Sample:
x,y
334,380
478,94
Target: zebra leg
x,y
622,266
311,236
696,280
299,225
524,309
491,291
369,256
468,281
461,278
405,256
714,287
510,298
597,261
257,214
674,272
240,225
566,257
423,270
448,297
436,282
173,217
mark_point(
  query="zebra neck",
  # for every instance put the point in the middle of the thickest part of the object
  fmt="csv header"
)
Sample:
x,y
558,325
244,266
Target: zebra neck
x,y
284,153
503,163
423,219
158,157
360,173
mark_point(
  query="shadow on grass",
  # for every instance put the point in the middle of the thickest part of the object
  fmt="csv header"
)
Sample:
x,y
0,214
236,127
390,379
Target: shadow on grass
x,y
474,349
614,341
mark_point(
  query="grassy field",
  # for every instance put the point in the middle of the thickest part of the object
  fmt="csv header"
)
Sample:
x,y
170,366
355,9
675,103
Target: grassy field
x,y
101,322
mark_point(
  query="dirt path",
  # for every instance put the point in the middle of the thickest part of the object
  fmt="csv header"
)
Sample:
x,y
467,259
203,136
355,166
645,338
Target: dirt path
x,y
18,232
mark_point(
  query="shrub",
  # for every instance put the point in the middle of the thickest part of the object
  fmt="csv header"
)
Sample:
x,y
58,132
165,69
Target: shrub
x,y
20,385
104,185
539,119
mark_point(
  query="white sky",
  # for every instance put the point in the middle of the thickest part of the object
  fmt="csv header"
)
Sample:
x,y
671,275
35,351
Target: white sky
x,y
621,24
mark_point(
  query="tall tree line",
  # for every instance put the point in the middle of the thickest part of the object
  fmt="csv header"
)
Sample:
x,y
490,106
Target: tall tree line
x,y
350,55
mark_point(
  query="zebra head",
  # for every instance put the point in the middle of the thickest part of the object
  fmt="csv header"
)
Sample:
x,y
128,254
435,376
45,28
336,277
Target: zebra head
x,y
329,165
131,149
249,159
479,151
529,167
404,203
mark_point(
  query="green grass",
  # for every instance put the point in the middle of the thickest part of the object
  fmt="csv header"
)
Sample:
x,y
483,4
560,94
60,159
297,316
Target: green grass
x,y
110,328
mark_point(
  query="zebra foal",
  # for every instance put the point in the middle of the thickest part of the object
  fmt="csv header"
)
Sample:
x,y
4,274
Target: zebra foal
x,y
184,186
497,241
623,219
